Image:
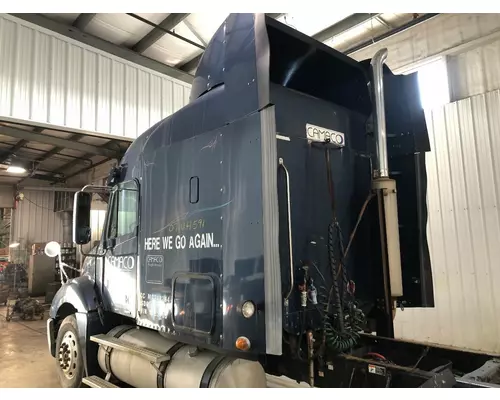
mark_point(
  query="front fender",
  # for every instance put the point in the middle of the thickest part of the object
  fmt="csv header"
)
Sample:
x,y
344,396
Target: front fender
x,y
78,292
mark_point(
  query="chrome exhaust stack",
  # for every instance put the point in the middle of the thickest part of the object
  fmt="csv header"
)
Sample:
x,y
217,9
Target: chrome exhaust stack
x,y
377,66
382,184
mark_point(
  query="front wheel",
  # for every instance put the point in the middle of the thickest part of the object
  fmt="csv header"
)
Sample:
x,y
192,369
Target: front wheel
x,y
69,356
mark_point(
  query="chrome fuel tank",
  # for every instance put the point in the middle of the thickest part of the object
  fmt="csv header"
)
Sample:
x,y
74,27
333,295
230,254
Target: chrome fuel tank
x,y
188,367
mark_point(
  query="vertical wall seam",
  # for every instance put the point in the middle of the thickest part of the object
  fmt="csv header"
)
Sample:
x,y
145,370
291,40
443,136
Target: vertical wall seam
x,y
466,201
488,140
454,215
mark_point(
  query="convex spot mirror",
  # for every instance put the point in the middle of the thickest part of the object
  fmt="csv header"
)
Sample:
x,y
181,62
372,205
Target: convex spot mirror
x,y
81,218
52,249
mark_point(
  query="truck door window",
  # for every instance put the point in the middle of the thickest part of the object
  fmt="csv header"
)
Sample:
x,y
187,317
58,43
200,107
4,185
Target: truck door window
x,y
123,213
113,217
127,212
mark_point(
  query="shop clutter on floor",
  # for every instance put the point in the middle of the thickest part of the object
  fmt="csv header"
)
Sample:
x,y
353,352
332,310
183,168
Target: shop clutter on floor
x,y
25,361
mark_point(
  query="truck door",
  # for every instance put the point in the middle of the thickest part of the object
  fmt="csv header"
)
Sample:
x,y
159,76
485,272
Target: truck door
x,y
120,242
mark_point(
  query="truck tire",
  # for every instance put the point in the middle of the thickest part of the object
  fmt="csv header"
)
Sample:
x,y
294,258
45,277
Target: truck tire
x,y
69,357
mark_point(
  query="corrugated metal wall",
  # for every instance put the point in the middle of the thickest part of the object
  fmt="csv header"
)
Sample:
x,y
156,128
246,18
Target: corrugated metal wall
x,y
442,34
46,77
474,71
463,170
34,220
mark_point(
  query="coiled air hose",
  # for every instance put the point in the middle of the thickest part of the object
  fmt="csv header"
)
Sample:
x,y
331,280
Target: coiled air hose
x,y
342,326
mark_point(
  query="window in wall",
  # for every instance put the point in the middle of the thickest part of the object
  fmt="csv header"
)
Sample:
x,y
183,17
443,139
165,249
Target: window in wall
x,y
433,84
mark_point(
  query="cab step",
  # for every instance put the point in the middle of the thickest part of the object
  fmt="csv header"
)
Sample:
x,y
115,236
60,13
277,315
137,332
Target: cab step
x,y
118,344
98,383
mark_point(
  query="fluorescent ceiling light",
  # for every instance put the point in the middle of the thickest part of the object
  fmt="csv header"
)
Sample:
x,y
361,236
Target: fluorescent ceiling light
x,y
15,244
16,170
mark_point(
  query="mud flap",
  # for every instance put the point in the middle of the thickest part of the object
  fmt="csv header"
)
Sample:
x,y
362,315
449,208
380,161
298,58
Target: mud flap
x,y
88,325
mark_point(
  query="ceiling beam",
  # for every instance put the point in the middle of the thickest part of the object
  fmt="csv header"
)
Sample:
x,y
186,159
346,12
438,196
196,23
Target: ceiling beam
x,y
35,174
5,156
80,171
384,22
350,22
156,34
56,141
193,30
191,65
83,20
40,177
70,164
28,155
51,153
20,144
386,35
56,150
166,31
103,45
48,178
73,163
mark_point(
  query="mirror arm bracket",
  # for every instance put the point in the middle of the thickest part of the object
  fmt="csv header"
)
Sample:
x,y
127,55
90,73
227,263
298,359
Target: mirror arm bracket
x,y
95,188
80,249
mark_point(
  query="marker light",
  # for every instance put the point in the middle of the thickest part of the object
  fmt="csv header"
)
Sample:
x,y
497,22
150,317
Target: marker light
x,y
248,309
242,343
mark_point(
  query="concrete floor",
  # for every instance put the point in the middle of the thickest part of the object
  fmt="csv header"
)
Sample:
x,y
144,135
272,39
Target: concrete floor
x,y
25,361
24,358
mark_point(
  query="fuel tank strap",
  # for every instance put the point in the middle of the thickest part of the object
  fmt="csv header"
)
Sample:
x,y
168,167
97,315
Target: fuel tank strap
x,y
160,377
207,375
107,357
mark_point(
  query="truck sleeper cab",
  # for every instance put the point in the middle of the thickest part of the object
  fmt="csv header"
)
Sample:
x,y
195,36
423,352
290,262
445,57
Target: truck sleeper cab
x,y
256,229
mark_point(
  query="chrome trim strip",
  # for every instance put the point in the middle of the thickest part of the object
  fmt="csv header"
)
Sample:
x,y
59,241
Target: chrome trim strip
x,y
272,270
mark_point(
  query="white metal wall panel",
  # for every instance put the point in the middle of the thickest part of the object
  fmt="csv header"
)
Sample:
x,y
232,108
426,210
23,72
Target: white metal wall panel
x,y
167,106
48,78
475,71
34,220
22,74
41,76
8,46
90,91
104,107
463,171
442,34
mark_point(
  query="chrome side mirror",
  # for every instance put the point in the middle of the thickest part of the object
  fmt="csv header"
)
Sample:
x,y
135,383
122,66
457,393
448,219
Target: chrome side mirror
x,y
52,249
